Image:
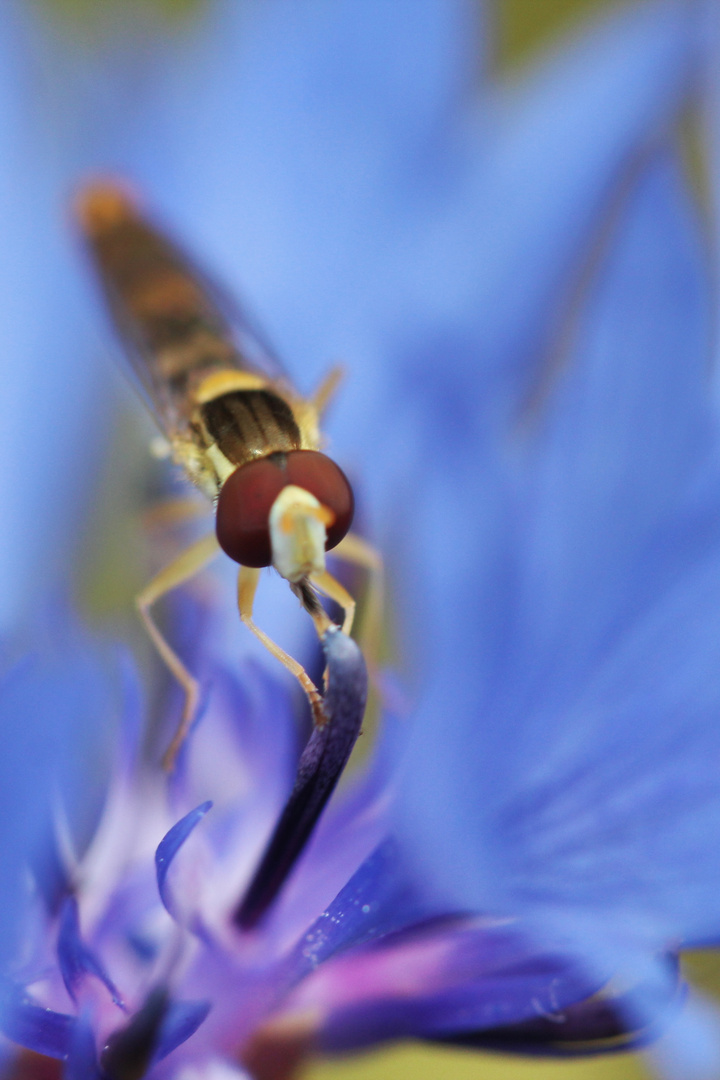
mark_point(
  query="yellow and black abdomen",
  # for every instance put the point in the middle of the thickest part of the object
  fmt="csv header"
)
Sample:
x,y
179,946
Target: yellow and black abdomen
x,y
249,424
175,333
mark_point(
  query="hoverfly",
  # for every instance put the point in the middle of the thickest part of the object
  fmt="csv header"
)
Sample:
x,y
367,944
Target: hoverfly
x,y
240,431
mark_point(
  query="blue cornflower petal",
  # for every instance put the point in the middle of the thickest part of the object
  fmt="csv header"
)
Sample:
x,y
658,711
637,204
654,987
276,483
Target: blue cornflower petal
x,y
689,1049
492,271
378,899
575,788
627,423
34,1027
50,704
510,254
710,105
169,846
580,1029
439,978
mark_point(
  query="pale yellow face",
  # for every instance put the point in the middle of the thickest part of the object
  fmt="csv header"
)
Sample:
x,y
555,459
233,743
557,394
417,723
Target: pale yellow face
x,y
298,533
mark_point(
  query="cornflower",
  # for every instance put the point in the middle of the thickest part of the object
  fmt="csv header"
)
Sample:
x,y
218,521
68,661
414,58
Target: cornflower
x,y
518,283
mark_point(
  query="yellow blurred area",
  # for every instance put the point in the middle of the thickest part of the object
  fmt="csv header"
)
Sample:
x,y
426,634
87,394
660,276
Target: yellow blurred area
x,y
422,1062
88,16
431,1063
521,27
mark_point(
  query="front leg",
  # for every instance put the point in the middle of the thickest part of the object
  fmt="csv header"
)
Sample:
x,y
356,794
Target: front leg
x,y
247,587
180,570
358,552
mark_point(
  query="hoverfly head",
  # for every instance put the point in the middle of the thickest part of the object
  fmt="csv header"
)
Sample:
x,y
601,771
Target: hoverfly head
x,y
284,510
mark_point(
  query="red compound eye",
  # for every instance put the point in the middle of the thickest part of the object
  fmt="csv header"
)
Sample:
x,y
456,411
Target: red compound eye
x,y
246,498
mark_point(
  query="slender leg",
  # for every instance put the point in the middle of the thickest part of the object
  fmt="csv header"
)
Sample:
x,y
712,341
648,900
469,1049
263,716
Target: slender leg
x,y
353,549
327,584
247,586
327,389
180,570
171,512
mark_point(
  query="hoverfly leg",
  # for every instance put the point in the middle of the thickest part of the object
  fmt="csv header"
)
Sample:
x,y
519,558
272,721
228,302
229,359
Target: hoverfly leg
x,y
248,578
331,587
327,389
358,552
180,570
172,512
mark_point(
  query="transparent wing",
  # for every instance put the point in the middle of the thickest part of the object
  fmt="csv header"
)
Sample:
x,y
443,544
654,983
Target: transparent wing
x,y
174,323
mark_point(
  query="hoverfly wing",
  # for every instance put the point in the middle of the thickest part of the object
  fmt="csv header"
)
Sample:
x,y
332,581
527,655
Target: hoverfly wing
x,y
254,351
176,326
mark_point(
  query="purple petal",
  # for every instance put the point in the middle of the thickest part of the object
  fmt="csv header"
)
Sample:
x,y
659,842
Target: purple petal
x,y
169,846
182,1020
596,1026
75,958
377,900
319,770
82,1060
435,980
232,755
50,704
36,1028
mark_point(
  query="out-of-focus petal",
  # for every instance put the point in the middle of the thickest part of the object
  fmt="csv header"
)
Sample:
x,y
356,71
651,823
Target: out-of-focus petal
x,y
30,1025
53,405
710,105
606,791
615,442
51,705
434,980
182,1020
689,1049
537,212
231,757
548,174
